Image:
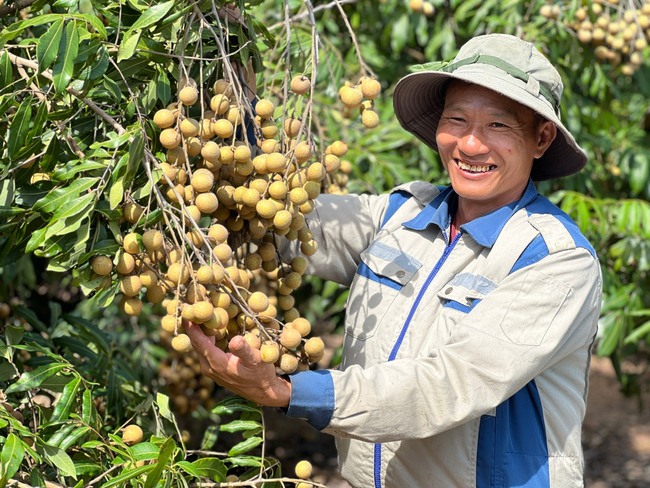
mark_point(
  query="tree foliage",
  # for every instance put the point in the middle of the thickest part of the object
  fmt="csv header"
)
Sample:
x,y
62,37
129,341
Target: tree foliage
x,y
80,82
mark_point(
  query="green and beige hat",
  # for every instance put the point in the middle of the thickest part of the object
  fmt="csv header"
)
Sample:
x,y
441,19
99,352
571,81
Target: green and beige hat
x,y
509,66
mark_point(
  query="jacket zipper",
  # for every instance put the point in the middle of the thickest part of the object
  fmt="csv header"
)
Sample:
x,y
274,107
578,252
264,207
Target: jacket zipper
x,y
400,338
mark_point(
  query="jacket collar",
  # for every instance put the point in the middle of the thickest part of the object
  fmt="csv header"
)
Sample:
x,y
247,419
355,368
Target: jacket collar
x,y
484,230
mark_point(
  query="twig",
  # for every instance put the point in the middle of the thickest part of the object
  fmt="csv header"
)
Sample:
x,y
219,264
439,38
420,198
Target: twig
x,y
362,64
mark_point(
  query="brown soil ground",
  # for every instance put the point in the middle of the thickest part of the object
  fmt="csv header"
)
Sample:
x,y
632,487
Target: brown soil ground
x,y
616,438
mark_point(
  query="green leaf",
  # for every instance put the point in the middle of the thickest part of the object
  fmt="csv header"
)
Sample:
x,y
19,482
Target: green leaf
x,y
127,475
116,194
89,331
128,46
163,406
75,207
48,45
239,425
11,458
60,460
19,127
58,197
64,66
208,467
6,72
245,446
166,452
66,401
145,451
88,412
34,378
73,437
152,15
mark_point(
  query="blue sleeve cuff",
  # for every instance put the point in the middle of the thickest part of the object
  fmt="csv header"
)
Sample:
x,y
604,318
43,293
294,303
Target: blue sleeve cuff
x,y
312,397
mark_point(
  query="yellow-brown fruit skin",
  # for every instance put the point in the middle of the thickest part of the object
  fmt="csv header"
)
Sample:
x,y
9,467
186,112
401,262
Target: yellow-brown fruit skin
x,y
132,434
303,469
300,84
102,265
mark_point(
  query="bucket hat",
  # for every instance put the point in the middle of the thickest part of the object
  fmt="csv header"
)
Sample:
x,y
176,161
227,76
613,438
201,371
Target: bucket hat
x,y
502,63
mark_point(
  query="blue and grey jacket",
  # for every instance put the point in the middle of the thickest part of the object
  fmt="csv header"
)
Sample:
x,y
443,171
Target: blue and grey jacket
x,y
465,362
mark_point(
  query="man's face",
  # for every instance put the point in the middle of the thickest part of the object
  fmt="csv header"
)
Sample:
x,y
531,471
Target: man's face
x,y
487,144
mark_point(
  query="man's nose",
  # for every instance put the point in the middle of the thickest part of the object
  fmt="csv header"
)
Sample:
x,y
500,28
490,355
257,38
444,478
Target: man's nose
x,y
472,143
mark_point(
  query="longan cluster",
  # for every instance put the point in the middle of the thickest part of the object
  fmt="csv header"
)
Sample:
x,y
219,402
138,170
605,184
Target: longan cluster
x,y
229,198
618,32
361,96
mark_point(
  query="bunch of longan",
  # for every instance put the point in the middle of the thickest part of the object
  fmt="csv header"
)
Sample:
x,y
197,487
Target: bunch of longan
x,y
618,32
361,96
234,180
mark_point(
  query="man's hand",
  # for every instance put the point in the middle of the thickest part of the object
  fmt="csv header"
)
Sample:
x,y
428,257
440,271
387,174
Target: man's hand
x,y
241,370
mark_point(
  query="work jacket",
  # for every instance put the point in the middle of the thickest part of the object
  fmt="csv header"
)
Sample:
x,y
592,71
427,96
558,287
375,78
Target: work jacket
x,y
464,362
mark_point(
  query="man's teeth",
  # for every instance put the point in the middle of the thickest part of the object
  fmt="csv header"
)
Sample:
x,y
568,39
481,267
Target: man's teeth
x,y
474,168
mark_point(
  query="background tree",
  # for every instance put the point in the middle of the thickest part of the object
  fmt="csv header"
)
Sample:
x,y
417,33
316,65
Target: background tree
x,y
83,166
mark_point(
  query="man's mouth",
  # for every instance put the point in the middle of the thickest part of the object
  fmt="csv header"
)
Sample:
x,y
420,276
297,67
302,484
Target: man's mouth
x,y
475,168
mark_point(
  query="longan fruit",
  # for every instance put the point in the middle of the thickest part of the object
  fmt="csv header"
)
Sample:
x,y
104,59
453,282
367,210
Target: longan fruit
x,y
222,252
265,108
170,138
290,338
125,263
178,273
258,301
266,209
203,311
292,127
130,243
148,278
219,318
253,339
192,212
164,118
242,153
300,84
298,196
350,96
181,343
282,219
206,202
189,127
132,306
222,86
155,294
269,145
270,352
193,146
211,151
303,469
218,232
369,119
338,148
302,325
276,162
132,434
188,95
101,265
370,88
152,239
202,180
288,363
223,128
220,104
132,212
314,347
130,286
169,323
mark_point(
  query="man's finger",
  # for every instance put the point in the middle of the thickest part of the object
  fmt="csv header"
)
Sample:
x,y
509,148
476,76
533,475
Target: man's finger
x,y
240,348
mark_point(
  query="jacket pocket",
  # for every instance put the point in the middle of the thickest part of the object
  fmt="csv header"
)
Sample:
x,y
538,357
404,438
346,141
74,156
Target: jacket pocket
x,y
382,274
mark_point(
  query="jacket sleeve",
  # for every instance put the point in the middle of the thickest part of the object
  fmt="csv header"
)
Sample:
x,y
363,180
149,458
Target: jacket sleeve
x,y
538,317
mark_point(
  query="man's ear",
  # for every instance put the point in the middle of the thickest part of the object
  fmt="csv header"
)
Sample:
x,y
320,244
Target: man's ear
x,y
546,134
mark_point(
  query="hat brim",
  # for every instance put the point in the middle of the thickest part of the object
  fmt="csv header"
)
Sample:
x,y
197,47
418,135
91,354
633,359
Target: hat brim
x,y
418,101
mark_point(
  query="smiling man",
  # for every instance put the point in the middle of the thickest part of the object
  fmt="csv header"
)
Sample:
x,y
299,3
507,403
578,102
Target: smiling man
x,y
472,307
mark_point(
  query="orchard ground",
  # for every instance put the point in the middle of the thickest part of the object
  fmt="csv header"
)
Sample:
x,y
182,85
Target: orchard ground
x,y
616,438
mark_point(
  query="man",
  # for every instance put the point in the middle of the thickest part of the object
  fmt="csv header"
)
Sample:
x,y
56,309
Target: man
x,y
472,308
